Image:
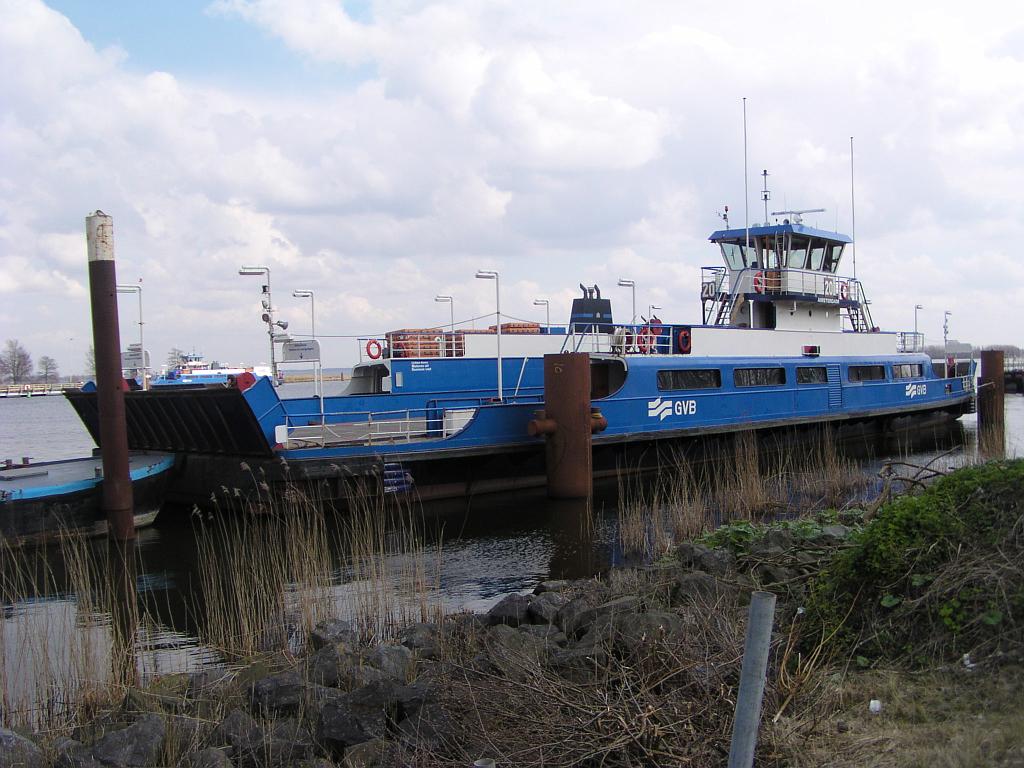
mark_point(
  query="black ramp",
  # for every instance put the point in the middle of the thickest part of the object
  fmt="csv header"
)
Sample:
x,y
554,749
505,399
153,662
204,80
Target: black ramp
x,y
213,420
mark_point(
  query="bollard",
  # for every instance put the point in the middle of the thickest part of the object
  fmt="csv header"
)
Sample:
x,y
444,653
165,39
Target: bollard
x,y
117,484
752,677
567,422
484,762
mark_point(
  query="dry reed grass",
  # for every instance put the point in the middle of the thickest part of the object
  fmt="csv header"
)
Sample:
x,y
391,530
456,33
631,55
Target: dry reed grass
x,y
742,480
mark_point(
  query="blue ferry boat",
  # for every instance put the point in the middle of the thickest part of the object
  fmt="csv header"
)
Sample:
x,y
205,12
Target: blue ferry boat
x,y
51,499
785,339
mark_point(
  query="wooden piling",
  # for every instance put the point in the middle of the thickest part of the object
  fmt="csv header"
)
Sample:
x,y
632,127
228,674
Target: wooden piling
x,y
567,423
991,391
117,484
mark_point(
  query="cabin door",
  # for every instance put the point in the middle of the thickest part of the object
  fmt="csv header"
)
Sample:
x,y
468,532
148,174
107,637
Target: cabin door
x,y
835,387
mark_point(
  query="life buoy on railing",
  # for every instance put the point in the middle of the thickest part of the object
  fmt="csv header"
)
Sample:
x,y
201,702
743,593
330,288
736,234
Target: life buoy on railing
x,y
646,340
373,349
759,282
844,290
685,341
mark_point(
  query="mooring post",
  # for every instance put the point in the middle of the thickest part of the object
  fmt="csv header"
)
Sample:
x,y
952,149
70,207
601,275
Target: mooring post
x,y
991,404
567,423
752,678
117,484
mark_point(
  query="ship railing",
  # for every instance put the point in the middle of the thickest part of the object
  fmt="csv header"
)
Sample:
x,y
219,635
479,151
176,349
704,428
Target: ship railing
x,y
440,419
631,339
418,343
909,341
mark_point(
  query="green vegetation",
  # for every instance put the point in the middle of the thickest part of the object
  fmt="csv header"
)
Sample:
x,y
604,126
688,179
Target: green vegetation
x,y
934,574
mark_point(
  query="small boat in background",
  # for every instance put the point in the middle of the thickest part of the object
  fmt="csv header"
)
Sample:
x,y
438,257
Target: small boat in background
x,y
193,371
50,499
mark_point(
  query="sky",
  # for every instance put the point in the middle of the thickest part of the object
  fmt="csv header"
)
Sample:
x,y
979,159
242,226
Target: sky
x,y
380,152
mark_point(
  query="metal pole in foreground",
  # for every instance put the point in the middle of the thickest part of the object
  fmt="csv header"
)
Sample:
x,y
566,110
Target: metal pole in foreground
x,y
752,677
117,485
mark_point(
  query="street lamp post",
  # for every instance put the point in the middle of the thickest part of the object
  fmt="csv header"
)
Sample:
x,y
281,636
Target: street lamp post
x,y
650,311
945,340
268,311
303,293
631,284
916,308
490,274
136,288
451,309
547,308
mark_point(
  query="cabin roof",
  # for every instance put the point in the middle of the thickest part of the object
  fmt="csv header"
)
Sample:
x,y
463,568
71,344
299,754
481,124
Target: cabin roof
x,y
724,235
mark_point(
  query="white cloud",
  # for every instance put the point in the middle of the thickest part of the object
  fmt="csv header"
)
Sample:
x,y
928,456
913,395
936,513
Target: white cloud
x,y
559,144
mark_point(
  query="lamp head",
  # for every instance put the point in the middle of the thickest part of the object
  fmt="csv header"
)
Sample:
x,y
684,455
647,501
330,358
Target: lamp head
x,y
487,274
302,293
627,283
254,270
443,299
541,302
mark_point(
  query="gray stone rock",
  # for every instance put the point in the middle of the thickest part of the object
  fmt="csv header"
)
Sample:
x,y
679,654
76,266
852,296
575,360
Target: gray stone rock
x,y
769,573
552,585
374,753
546,632
338,728
579,663
332,632
286,742
70,753
568,615
646,630
208,758
697,586
187,733
775,542
510,610
545,607
427,728
139,744
16,750
326,666
586,618
413,696
515,653
716,561
278,694
315,762
395,661
835,533
237,730
423,639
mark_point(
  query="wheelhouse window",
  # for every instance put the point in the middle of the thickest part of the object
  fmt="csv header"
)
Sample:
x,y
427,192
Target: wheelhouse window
x,y
797,256
759,377
690,378
817,254
811,375
907,371
833,254
867,373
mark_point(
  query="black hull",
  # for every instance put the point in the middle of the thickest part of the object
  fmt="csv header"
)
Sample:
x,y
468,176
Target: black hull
x,y
76,514
211,481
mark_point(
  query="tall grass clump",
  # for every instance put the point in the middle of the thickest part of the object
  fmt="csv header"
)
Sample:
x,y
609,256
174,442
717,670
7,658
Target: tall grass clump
x,y
272,568
61,656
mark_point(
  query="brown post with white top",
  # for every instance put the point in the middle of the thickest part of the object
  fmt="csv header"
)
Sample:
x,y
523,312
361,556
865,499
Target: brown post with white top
x,y
117,484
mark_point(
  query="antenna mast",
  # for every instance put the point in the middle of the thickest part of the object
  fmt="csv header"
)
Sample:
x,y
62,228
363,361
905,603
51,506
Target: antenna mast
x,y
765,195
746,197
853,213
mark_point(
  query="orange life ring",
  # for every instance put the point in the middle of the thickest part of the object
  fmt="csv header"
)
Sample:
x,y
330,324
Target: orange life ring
x,y
759,282
646,340
373,349
844,290
685,341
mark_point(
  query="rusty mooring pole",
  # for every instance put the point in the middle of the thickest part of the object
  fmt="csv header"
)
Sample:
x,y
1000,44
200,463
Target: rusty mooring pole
x,y
117,484
991,388
568,422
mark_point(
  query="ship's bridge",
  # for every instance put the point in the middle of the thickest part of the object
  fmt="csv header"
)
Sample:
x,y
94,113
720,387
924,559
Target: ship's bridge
x,y
771,266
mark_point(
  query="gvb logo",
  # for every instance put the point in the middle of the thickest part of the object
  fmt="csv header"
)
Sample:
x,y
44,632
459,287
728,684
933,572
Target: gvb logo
x,y
661,409
916,390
